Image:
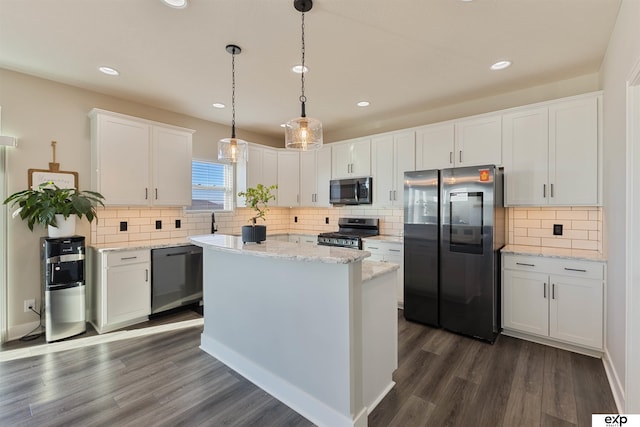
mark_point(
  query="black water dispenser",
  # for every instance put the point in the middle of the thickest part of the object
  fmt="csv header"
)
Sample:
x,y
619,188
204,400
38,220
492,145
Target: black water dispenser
x,y
63,286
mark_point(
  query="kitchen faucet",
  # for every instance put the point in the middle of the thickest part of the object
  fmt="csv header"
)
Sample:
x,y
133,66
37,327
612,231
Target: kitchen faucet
x,y
214,227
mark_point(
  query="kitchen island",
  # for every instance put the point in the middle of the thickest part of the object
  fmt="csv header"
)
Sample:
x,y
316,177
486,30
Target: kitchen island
x,y
299,321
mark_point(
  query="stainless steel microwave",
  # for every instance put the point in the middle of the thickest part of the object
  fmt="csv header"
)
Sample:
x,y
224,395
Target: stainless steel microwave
x,y
350,191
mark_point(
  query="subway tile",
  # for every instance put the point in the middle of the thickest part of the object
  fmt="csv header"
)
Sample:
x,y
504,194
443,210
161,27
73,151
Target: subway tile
x,y
594,235
541,214
527,241
576,234
539,232
139,221
549,223
128,213
526,223
106,231
594,215
556,243
584,244
584,225
116,238
136,237
573,215
520,231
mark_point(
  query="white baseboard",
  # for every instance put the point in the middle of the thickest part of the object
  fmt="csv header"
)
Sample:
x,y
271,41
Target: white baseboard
x,y
614,382
18,331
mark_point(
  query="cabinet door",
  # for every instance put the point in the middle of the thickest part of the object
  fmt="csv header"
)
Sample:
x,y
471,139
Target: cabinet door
x,y
122,161
434,147
128,293
341,160
576,313
288,178
382,160
404,160
255,165
361,158
323,175
270,169
573,152
171,150
525,302
479,141
308,178
526,136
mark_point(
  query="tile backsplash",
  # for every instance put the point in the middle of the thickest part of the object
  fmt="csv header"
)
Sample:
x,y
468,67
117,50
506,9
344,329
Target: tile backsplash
x,y
582,226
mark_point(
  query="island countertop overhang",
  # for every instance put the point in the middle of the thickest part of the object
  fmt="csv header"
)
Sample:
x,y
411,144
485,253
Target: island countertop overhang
x,y
279,249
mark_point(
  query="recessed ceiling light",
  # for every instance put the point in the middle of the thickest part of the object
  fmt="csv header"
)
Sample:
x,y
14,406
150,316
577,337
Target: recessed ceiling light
x,y
109,71
298,69
363,104
501,65
218,105
177,4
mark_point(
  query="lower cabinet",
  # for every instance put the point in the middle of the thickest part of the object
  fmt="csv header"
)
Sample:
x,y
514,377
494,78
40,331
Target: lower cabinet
x,y
555,298
388,251
121,289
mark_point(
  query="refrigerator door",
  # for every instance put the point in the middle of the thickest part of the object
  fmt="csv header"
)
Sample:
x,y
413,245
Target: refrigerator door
x,y
468,262
421,232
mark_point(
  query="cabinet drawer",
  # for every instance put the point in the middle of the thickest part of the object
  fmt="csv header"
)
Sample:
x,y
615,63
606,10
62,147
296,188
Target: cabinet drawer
x,y
128,257
559,266
527,263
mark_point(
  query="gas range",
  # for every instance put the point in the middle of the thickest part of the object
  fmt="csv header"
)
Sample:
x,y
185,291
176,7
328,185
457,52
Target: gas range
x,y
350,232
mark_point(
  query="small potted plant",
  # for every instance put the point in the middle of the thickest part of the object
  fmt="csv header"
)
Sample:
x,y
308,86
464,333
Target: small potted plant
x,y
257,199
54,207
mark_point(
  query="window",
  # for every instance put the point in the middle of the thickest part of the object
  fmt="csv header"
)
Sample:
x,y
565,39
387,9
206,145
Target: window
x,y
212,186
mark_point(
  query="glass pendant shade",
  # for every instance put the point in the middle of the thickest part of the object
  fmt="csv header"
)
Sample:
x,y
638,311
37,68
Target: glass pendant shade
x,y
303,133
232,150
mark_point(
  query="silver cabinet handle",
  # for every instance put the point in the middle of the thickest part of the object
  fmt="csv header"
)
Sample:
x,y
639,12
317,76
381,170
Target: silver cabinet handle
x,y
394,195
545,290
394,250
128,257
146,274
551,185
451,157
460,156
544,190
372,247
575,269
553,291
390,194
156,194
528,265
146,193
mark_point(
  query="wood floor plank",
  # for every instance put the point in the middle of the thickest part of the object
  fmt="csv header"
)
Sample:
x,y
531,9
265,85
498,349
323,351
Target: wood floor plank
x,y
414,412
558,399
453,405
592,392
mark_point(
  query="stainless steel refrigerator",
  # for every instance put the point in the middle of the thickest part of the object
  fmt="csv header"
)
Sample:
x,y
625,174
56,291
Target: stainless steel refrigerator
x,y
453,231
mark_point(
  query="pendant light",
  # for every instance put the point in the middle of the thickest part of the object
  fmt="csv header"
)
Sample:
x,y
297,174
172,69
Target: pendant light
x,y
232,150
303,133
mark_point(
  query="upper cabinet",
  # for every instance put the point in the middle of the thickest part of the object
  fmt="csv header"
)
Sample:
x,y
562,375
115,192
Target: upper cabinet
x,y
262,165
288,178
139,162
467,142
551,153
351,158
315,174
392,156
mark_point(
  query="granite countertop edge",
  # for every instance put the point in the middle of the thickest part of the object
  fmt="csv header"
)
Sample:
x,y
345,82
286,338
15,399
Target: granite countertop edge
x,y
575,254
373,269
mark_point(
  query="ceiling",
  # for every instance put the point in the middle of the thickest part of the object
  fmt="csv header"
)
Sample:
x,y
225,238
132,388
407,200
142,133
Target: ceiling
x,y
401,55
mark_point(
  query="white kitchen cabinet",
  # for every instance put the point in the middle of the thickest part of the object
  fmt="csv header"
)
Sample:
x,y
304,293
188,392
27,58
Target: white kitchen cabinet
x,y
315,174
120,288
555,298
351,159
551,153
388,251
261,167
473,141
288,178
392,156
139,162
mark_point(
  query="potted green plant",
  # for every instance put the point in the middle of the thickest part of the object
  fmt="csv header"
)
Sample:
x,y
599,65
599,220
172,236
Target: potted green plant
x,y
54,207
257,198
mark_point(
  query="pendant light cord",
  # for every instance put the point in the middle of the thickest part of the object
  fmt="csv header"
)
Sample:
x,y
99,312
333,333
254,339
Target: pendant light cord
x,y
233,94
303,98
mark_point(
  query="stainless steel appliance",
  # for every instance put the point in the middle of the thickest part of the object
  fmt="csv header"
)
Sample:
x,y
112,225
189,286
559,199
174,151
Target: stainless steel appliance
x,y
176,277
63,287
453,231
351,191
350,232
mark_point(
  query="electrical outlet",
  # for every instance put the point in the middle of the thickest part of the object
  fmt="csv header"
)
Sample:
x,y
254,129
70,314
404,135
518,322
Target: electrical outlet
x,y
29,304
178,223
295,219
158,225
326,220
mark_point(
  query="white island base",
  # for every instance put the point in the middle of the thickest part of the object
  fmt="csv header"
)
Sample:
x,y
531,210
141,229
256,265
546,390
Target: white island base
x,y
298,321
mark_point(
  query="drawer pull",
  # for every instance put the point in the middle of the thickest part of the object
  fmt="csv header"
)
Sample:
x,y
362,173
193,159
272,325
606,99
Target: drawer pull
x,y
128,257
394,250
146,274
575,269
372,247
525,264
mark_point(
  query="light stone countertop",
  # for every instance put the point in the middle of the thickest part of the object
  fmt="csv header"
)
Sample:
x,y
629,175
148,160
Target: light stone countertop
x,y
141,244
280,249
373,269
554,252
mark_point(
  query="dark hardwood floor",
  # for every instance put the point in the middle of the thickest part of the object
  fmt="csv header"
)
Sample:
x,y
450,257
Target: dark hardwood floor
x,y
164,379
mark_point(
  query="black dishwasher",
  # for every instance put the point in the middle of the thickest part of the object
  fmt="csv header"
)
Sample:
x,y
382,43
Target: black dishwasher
x,y
176,277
